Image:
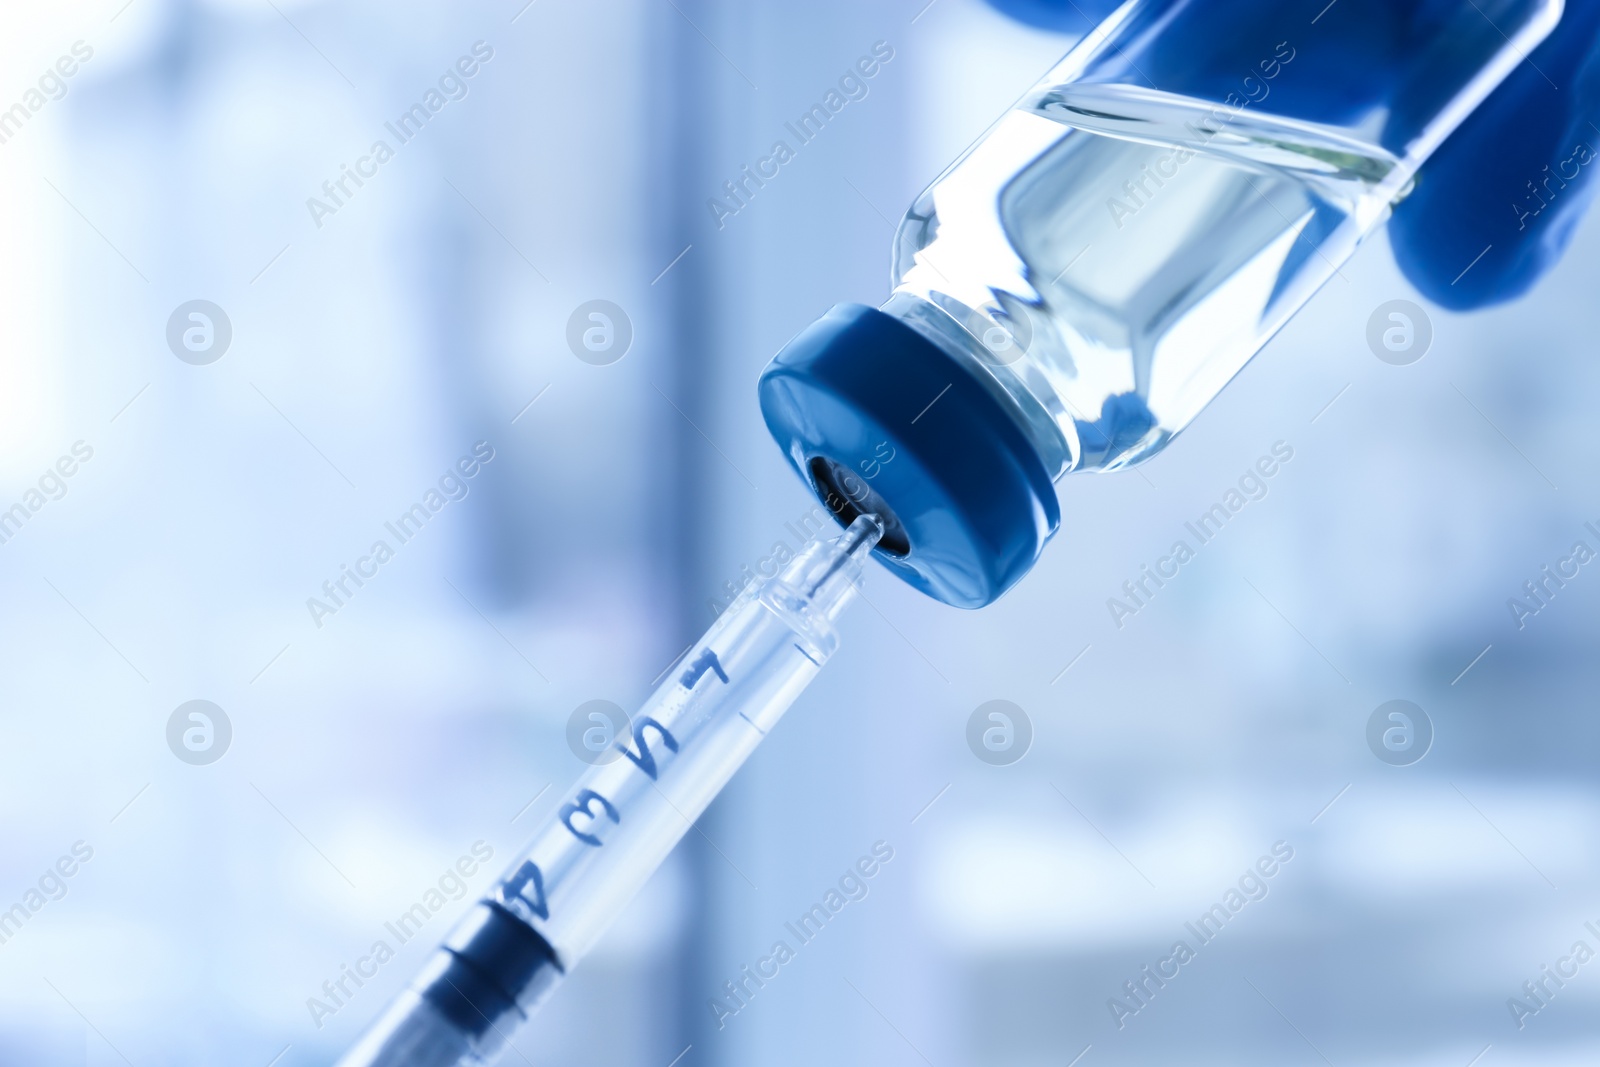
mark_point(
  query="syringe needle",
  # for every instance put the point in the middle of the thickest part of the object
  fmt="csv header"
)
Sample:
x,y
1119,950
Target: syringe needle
x,y
622,818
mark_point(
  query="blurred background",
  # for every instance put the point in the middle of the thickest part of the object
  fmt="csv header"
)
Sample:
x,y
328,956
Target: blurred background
x,y
375,339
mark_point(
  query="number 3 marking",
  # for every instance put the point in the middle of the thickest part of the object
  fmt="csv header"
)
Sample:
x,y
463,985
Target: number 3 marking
x,y
582,805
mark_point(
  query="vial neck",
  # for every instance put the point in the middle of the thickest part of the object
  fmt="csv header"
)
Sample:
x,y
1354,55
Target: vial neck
x,y
1050,436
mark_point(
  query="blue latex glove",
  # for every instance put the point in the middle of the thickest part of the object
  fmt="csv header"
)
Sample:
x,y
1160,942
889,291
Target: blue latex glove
x,y
1474,193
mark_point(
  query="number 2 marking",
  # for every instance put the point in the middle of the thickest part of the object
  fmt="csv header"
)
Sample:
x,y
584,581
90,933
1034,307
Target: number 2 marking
x,y
581,805
645,760
527,874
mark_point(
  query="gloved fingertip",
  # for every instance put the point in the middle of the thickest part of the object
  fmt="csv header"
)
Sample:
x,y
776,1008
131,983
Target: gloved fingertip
x,y
1062,16
1497,205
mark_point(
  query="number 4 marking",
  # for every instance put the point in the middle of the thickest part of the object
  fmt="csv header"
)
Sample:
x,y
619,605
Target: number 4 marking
x,y
527,874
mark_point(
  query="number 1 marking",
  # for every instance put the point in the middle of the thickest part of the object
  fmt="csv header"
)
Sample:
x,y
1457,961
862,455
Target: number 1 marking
x,y
706,661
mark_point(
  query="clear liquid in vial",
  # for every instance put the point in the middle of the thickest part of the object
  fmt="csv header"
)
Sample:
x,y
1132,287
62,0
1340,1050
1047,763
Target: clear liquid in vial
x,y
1139,248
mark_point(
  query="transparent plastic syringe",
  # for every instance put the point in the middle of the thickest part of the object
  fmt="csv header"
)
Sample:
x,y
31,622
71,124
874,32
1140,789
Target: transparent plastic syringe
x,y
622,818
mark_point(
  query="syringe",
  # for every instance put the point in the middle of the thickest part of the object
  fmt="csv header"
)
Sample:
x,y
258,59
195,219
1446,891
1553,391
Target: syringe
x,y
622,818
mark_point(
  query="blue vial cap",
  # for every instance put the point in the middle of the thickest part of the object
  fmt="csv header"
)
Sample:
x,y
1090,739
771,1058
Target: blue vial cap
x,y
877,419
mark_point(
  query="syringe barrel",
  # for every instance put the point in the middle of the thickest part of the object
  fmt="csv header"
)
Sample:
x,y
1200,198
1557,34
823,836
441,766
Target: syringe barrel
x,y
463,1005
623,817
